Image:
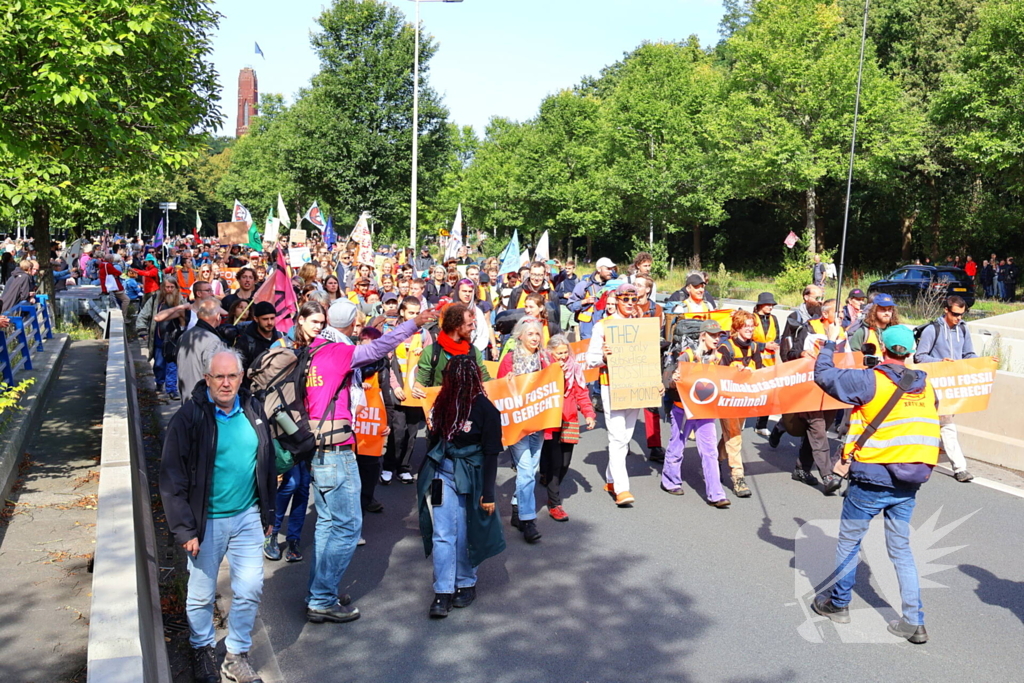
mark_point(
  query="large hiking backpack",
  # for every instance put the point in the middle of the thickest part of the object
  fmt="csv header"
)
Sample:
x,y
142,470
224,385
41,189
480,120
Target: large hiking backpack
x,y
278,378
685,334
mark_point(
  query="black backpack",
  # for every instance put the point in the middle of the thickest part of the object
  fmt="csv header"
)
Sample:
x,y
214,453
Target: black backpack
x,y
919,330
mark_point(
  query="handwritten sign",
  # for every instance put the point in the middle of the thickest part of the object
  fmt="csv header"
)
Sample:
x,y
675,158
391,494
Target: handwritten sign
x,y
371,423
234,232
297,236
634,364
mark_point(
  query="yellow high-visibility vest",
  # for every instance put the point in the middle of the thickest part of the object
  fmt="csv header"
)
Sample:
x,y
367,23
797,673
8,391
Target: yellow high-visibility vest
x,y
910,433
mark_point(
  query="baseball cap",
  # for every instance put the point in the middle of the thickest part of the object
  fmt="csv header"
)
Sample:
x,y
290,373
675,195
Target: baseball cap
x,y
765,299
626,289
711,327
695,279
898,339
604,262
389,296
857,294
341,314
883,299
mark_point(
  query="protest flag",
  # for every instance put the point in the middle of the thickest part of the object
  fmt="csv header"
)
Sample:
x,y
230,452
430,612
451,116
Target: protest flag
x,y
329,236
315,217
241,213
361,236
455,239
510,255
542,251
158,239
278,290
282,213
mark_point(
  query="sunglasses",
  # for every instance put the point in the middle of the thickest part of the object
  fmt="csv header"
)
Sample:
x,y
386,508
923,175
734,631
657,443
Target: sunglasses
x,y
629,299
955,314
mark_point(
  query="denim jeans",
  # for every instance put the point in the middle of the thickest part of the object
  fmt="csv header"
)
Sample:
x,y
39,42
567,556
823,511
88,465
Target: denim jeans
x,y
294,487
240,538
339,521
451,545
526,455
863,502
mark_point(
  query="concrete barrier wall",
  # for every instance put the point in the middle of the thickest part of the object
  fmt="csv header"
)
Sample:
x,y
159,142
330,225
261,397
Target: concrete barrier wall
x,y
996,435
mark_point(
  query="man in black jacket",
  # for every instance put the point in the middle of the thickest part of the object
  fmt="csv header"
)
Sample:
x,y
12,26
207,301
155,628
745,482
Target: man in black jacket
x,y
218,484
260,335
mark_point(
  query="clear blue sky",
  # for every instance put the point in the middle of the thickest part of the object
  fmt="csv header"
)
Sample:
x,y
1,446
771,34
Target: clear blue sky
x,y
495,58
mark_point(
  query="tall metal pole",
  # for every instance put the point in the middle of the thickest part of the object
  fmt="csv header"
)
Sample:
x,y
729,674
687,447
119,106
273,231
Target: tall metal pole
x,y
415,132
140,219
853,144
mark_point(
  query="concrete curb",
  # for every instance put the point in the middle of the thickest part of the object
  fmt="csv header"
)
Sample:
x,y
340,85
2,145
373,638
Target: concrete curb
x,y
47,368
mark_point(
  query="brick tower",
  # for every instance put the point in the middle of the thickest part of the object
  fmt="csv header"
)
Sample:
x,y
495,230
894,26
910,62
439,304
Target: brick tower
x,y
248,100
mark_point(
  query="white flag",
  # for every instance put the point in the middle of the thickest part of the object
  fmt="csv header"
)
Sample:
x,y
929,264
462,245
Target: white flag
x,y
541,252
455,239
524,258
241,214
282,212
315,217
361,236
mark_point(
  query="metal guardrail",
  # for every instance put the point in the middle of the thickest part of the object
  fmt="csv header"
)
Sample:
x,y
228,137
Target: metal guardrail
x,y
126,639
32,327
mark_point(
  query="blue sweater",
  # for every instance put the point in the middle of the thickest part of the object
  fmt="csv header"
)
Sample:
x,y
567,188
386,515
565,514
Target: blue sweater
x,y
939,341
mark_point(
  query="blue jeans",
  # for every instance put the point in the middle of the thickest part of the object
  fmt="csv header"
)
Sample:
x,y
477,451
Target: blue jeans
x,y
526,455
241,539
451,546
294,486
164,372
864,502
339,521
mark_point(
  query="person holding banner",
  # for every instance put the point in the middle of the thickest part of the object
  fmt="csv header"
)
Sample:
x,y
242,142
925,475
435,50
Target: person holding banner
x,y
370,463
404,420
740,351
766,333
703,430
892,447
647,307
527,356
455,495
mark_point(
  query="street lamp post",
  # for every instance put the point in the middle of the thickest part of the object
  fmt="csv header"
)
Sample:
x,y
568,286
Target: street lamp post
x,y
416,126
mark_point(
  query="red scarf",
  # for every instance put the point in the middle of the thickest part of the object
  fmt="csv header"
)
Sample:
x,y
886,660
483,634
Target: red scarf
x,y
452,347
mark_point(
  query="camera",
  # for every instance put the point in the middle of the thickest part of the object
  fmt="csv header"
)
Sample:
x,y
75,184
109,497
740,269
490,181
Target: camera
x,y
870,355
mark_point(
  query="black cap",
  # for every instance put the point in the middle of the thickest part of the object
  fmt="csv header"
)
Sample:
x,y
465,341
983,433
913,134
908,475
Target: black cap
x,y
857,294
389,296
263,308
765,299
695,279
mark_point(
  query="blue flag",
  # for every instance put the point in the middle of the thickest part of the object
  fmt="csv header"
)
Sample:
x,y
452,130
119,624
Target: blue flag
x,y
259,51
510,256
158,239
329,237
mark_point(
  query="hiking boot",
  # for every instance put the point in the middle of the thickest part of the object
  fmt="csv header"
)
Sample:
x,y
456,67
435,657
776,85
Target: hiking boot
x,y
915,634
441,606
802,475
204,665
558,513
271,548
514,521
823,605
625,498
293,554
657,454
963,476
386,477
530,531
339,613
832,483
739,486
464,597
238,669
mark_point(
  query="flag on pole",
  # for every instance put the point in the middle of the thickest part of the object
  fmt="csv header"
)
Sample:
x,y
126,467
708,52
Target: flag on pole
x,y
524,258
278,290
510,255
361,236
241,213
282,213
158,239
791,239
199,224
542,252
315,217
455,239
329,237
259,51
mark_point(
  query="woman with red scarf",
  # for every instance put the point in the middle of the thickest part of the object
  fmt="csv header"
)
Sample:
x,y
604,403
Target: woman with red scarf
x,y
556,454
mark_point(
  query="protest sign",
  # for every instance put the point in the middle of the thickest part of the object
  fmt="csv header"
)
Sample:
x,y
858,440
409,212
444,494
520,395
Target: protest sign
x,y
962,386
272,233
579,349
234,232
723,391
298,256
370,424
528,403
297,237
634,364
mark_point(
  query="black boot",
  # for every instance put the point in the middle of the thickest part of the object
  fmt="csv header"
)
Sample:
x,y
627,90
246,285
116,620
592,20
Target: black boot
x,y
530,532
515,518
657,454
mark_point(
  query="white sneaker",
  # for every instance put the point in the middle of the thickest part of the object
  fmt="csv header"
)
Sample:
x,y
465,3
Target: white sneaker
x,y
762,432
362,541
405,478
386,477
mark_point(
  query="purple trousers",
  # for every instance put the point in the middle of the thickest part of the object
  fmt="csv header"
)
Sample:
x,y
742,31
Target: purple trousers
x,y
707,447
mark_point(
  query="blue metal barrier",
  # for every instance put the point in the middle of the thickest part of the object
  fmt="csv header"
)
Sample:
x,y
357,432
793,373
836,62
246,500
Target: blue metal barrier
x,y
28,320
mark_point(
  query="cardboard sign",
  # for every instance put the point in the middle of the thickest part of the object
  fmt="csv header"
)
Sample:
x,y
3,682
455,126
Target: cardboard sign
x,y
235,232
962,386
371,423
579,349
634,364
717,391
297,256
297,237
528,403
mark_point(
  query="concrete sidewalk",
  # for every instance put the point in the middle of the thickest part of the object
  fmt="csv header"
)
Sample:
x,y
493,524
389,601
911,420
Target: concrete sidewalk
x,y
48,530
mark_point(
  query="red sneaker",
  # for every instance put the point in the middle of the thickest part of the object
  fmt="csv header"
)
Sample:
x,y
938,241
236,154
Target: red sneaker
x,y
558,514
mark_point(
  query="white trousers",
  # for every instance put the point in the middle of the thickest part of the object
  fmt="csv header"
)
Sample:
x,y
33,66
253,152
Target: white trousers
x,y
620,425
951,443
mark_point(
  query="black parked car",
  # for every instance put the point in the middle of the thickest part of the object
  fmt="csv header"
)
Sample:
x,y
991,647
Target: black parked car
x,y
907,283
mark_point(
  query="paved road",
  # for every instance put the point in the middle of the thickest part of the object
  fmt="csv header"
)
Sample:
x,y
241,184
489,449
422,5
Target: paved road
x,y
670,590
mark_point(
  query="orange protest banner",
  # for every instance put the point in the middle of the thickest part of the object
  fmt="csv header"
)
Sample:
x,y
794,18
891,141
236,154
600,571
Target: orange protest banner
x,y
963,386
492,367
528,403
719,391
370,425
579,348
229,277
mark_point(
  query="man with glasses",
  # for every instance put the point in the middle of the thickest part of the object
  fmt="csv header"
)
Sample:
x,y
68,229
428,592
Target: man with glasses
x,y
948,339
218,484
